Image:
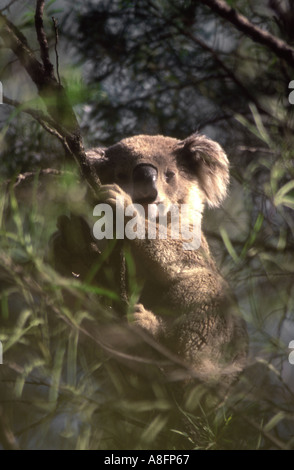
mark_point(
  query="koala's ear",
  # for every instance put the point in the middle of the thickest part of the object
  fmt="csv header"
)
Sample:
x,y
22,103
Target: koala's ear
x,y
204,159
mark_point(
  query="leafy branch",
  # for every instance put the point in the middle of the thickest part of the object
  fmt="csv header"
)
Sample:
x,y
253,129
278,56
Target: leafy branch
x,y
60,118
280,48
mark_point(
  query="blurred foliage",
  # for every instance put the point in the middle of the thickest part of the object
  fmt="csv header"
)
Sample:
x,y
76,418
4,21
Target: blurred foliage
x,y
168,67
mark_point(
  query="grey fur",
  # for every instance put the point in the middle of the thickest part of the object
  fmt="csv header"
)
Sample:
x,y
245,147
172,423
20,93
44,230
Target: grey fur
x,y
185,303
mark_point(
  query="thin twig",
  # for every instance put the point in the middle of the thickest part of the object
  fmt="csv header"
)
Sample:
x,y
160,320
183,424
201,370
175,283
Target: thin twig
x,y
43,119
54,96
8,5
205,46
36,114
44,48
280,48
55,48
16,41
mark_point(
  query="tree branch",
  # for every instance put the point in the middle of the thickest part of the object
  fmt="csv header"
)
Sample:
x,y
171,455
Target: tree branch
x,y
280,48
43,119
204,45
62,117
8,5
44,49
55,48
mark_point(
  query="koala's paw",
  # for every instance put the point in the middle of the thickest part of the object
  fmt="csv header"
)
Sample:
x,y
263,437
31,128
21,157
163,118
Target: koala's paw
x,y
115,196
147,320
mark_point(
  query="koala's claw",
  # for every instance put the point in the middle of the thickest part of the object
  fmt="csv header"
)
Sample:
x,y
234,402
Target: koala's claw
x,y
113,195
147,320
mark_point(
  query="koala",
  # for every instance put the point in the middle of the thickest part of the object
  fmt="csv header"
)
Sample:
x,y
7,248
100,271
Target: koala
x,y
184,302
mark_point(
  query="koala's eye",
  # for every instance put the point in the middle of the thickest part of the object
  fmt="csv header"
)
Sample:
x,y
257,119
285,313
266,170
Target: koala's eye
x,y
122,177
169,175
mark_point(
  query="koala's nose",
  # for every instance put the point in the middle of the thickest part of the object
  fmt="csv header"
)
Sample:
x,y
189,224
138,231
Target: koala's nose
x,y
145,183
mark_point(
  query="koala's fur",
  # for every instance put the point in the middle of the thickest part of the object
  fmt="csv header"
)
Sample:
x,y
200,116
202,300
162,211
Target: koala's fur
x,y
184,301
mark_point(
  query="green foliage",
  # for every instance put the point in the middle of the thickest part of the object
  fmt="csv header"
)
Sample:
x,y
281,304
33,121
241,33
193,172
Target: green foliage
x,y
147,67
62,385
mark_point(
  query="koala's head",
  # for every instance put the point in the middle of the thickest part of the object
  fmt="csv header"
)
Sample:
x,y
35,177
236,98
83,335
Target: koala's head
x,y
163,170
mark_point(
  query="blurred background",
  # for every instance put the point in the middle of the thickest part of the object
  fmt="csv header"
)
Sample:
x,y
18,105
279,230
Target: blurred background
x,y
170,67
